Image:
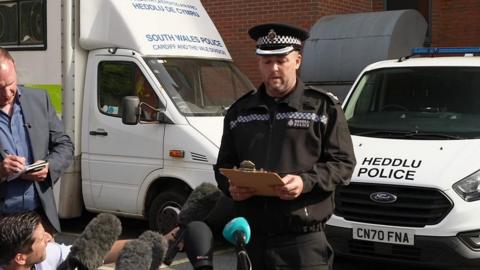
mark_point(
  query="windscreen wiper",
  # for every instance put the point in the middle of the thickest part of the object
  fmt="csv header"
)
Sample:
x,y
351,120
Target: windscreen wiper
x,y
432,135
407,134
383,133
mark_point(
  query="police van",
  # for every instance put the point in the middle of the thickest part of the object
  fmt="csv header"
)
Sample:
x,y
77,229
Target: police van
x,y
143,87
414,196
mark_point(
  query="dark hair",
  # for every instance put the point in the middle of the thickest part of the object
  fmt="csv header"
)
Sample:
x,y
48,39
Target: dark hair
x,y
16,234
4,54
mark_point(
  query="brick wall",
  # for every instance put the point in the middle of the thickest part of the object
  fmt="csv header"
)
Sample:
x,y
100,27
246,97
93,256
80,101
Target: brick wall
x,y
233,18
454,23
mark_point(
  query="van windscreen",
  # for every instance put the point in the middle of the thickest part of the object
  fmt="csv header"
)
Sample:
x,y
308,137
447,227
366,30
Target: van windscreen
x,y
200,87
416,102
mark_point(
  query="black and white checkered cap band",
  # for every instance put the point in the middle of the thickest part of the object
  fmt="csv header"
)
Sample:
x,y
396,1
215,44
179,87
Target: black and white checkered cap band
x,y
289,40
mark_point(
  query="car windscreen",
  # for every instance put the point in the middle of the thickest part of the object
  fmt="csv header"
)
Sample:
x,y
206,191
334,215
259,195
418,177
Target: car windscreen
x,y
417,103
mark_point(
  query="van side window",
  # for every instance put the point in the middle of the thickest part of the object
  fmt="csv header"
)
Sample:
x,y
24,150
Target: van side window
x,y
117,79
147,96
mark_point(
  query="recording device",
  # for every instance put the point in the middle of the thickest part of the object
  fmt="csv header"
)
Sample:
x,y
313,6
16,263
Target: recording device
x,y
197,208
136,254
158,247
237,232
198,241
90,248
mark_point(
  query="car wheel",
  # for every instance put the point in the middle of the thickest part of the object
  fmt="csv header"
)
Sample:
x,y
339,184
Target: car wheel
x,y
162,215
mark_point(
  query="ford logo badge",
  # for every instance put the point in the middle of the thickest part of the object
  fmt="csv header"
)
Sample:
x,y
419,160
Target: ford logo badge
x,y
383,197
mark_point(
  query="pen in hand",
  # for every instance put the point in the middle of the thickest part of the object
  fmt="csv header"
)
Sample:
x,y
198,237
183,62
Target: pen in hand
x,y
4,153
15,164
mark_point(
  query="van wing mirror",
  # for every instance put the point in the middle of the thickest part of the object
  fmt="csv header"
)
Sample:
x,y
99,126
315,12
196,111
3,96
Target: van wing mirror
x,y
130,110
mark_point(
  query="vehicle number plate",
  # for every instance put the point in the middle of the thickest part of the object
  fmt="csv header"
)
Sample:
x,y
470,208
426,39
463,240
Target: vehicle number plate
x,y
384,235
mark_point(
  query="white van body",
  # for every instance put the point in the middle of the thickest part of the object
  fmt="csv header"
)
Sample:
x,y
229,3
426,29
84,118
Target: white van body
x,y
135,170
414,194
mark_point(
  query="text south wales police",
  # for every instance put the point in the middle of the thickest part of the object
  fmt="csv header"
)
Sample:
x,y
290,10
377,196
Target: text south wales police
x,y
390,168
183,38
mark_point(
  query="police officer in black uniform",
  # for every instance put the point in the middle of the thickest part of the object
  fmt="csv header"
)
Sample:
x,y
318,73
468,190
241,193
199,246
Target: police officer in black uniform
x,y
299,132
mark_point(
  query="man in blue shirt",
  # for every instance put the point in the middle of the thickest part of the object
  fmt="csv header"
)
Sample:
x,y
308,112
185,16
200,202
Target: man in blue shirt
x,y
30,133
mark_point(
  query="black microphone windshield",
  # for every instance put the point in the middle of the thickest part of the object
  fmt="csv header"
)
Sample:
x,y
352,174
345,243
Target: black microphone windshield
x,y
90,248
198,242
158,245
199,204
197,208
136,254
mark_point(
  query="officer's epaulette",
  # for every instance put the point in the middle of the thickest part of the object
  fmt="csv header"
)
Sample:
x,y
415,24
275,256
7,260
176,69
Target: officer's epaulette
x,y
330,95
249,93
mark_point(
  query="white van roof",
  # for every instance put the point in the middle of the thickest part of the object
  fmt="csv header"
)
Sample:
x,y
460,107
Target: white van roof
x,y
441,61
180,28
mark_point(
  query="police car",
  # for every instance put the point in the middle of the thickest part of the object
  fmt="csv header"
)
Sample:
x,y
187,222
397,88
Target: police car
x,y
415,195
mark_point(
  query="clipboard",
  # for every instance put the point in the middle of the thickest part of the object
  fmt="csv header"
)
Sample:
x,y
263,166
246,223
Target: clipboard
x,y
262,181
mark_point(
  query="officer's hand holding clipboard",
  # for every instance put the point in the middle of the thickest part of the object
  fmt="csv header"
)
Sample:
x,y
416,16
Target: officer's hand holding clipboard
x,y
262,181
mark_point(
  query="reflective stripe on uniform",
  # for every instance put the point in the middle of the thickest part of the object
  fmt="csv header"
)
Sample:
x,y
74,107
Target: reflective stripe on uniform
x,y
279,116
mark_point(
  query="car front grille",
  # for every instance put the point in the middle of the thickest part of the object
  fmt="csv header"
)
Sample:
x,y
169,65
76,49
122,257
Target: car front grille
x,y
414,207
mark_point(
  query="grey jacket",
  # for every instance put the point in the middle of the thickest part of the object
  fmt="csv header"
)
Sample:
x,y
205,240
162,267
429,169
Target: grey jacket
x,y
49,142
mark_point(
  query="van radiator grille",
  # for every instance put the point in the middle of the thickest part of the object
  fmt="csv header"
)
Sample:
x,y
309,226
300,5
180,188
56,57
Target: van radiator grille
x,y
414,207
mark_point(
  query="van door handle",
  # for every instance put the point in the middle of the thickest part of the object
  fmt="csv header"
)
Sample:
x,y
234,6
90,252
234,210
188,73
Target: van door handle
x,y
99,132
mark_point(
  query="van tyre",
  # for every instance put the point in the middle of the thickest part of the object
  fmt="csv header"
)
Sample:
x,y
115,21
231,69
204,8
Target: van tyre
x,y
162,215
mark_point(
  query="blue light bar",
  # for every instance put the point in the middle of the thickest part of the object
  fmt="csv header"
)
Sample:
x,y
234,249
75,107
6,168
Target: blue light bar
x,y
445,50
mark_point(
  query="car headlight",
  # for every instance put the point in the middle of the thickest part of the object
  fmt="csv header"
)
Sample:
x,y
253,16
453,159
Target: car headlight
x,y
469,187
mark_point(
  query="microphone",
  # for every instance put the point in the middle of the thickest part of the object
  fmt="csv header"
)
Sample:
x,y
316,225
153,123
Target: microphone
x,y
237,232
197,207
198,241
199,204
144,253
90,248
136,254
158,247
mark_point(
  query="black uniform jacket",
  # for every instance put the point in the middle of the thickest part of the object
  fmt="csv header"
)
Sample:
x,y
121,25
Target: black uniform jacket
x,y
304,134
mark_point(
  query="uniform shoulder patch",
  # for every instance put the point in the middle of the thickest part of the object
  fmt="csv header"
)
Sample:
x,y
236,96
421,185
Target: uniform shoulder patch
x,y
330,95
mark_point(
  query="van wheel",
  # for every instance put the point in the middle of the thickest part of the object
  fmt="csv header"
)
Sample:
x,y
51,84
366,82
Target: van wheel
x,y
165,221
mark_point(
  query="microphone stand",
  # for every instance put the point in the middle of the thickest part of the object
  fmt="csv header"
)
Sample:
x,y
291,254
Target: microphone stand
x,y
243,261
